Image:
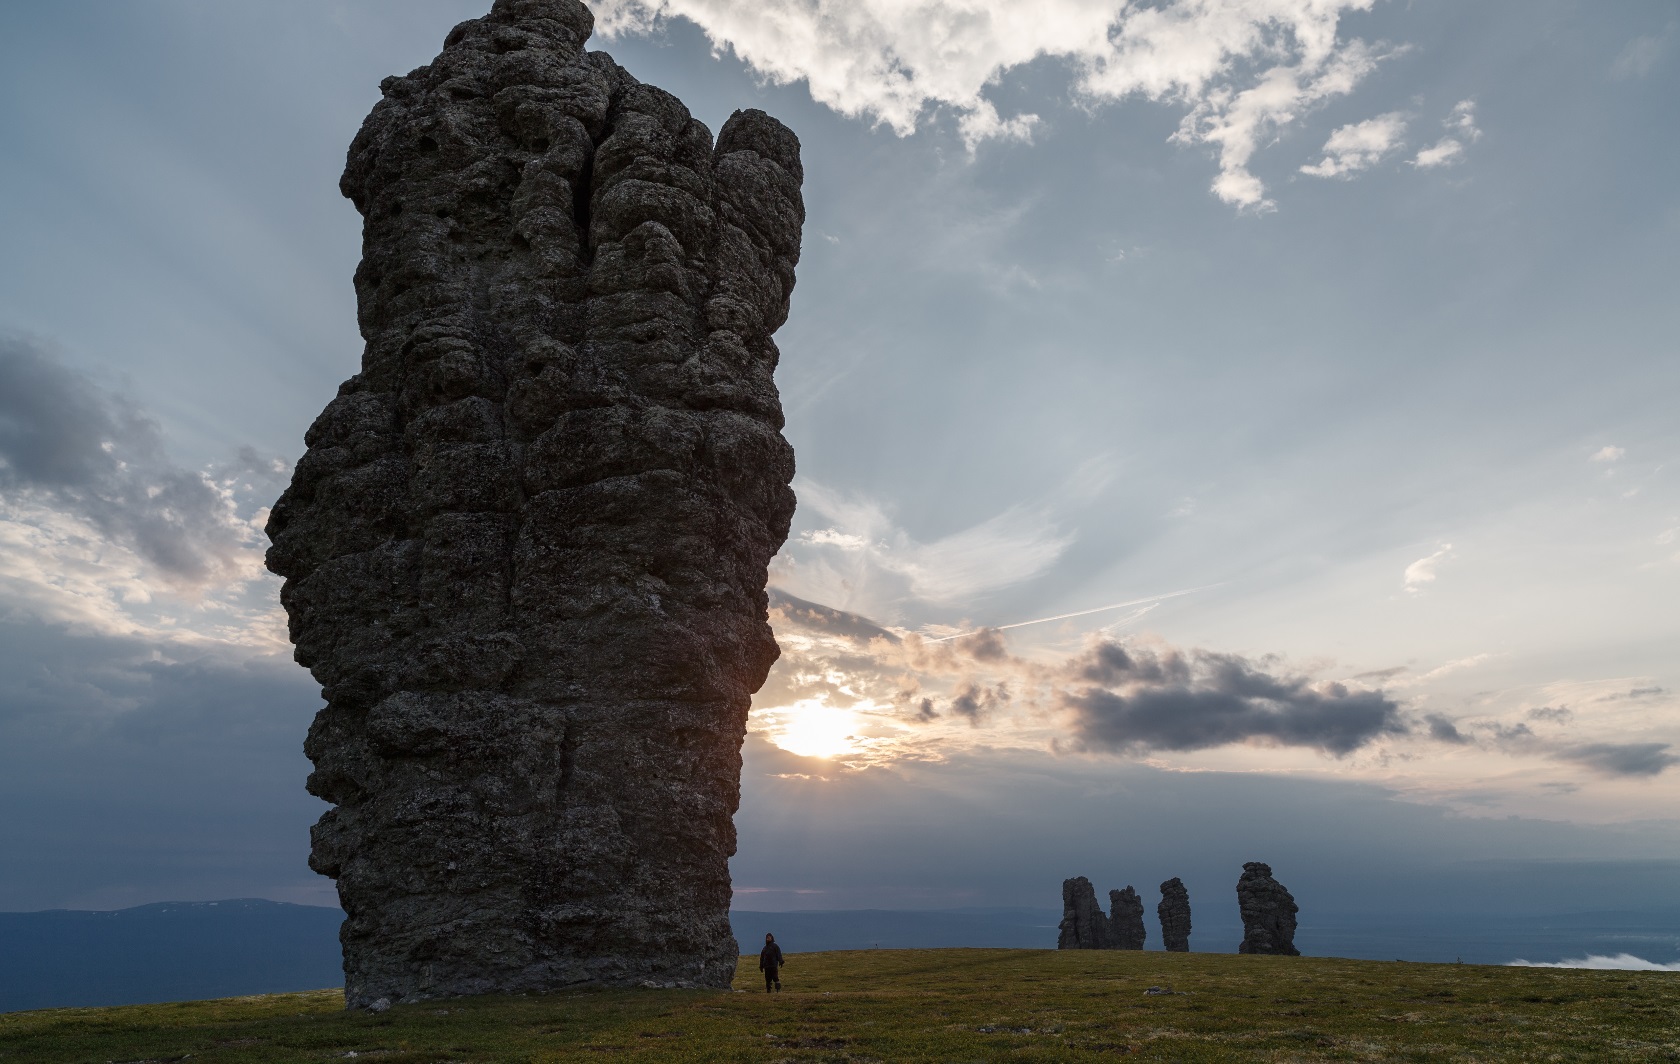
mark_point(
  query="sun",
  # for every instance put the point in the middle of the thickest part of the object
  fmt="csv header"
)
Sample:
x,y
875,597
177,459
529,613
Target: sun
x,y
812,728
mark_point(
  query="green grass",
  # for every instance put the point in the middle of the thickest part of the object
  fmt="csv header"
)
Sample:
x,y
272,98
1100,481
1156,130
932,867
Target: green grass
x,y
935,1005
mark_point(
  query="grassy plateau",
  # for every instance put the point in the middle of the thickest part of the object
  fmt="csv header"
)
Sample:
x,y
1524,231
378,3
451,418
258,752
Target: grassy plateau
x,y
934,1005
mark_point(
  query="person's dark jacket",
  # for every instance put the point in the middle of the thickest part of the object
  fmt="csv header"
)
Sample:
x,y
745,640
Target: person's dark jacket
x,y
770,957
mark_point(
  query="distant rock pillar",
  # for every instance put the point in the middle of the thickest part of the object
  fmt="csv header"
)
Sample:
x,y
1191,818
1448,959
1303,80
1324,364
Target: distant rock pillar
x,y
1174,912
1268,912
1083,924
1125,921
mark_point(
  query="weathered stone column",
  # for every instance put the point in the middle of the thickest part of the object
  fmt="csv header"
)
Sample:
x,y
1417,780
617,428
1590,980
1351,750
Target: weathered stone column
x,y
1084,925
1174,912
1268,912
1125,919
525,553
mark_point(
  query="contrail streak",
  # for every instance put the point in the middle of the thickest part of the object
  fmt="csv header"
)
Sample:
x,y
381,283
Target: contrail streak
x,y
1077,613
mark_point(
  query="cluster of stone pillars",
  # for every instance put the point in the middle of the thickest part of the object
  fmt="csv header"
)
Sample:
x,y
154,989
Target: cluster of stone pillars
x,y
1268,915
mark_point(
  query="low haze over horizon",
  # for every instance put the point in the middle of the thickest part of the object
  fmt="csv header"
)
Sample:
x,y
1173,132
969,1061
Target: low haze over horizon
x,y
1226,431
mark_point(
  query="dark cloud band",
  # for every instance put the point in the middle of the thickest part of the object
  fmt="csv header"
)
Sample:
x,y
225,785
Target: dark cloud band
x,y
1140,700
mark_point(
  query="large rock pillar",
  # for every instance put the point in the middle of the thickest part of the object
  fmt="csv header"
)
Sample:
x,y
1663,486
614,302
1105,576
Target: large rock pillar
x,y
525,552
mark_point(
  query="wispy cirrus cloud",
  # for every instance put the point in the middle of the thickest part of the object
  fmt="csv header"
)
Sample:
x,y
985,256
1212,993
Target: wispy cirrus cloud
x,y
1422,572
864,560
1242,69
1643,54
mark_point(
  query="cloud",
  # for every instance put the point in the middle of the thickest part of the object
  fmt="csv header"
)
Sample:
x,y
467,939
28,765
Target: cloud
x,y
1442,670
974,703
865,561
72,448
1442,729
920,699
1462,130
1641,55
1241,68
1359,146
1620,962
1608,453
797,613
1633,694
1144,698
1382,674
1115,697
1149,603
1622,759
1443,152
1519,734
1643,759
1422,571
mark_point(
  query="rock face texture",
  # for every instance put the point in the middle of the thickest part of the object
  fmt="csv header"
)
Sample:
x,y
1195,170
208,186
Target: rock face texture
x,y
1268,912
525,553
1083,926
1174,912
1125,919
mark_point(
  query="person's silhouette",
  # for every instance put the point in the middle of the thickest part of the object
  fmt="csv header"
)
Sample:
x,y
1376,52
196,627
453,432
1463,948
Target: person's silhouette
x,y
770,963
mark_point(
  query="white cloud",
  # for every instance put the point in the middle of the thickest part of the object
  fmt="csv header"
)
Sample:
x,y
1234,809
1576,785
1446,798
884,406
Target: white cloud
x,y
1621,962
1463,120
830,537
1359,146
1243,68
1442,153
1422,571
1608,453
1461,126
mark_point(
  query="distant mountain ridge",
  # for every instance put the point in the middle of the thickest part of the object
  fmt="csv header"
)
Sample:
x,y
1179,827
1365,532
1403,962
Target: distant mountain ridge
x,y
177,951
170,951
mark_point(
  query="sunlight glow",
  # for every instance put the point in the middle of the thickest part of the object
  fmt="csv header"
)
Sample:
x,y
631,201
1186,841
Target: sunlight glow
x,y
812,728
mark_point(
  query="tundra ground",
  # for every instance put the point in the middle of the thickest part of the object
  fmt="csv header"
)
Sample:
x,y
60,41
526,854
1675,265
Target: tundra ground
x,y
934,1005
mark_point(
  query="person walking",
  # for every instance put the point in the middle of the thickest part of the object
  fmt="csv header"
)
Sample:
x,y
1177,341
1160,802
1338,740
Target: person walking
x,y
770,963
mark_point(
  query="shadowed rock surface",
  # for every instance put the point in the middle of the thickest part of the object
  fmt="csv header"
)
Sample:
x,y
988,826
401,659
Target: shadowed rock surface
x,y
525,553
1084,925
1268,912
1174,912
1125,919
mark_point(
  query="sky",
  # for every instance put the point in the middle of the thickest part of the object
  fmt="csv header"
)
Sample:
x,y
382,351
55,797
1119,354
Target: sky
x,y
1226,431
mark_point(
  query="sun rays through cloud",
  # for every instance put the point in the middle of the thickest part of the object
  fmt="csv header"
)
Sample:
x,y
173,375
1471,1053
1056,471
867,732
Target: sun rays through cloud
x,y
812,728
